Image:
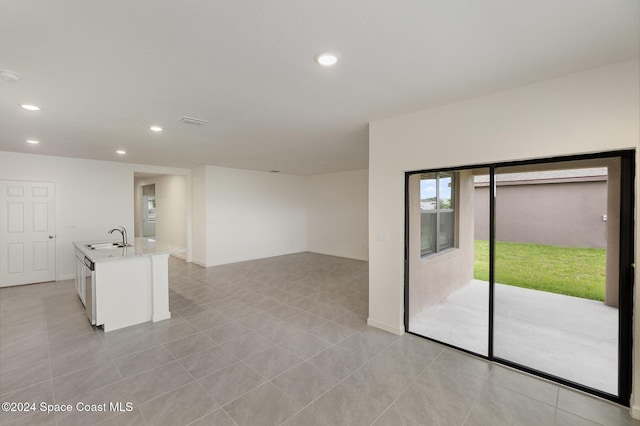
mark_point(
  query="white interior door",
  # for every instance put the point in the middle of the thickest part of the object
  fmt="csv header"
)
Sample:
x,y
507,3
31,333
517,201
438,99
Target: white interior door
x,y
27,232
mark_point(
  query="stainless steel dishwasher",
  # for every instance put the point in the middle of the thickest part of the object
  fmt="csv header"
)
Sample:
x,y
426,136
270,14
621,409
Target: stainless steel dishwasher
x,y
89,292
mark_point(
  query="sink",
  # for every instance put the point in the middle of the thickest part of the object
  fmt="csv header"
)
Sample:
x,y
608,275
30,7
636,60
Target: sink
x,y
102,246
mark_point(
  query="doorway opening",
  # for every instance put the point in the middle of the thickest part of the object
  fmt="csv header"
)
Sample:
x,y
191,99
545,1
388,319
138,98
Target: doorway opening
x,y
527,264
149,211
161,210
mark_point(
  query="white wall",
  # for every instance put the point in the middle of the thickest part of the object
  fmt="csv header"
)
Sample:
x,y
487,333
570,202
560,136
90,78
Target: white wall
x,y
171,194
235,214
337,219
199,216
91,196
243,214
247,215
171,209
592,111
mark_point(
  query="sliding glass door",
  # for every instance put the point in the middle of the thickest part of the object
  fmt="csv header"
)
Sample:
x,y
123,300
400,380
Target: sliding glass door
x,y
527,264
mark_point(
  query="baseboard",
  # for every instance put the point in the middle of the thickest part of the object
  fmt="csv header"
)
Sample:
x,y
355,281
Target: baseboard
x,y
364,259
161,316
66,277
634,409
345,256
385,327
181,256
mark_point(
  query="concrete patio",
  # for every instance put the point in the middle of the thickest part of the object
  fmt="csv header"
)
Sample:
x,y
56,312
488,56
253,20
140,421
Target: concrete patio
x,y
569,337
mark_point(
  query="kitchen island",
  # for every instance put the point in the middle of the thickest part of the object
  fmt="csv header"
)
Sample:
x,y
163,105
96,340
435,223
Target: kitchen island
x,y
124,286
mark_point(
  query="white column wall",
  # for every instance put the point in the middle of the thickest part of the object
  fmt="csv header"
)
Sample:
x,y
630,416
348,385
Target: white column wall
x,y
593,111
171,209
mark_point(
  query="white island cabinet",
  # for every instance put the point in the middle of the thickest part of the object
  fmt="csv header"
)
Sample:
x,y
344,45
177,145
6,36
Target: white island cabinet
x,y
128,285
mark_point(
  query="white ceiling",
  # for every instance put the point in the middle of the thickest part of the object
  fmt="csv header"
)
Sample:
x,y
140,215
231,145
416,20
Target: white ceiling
x,y
103,71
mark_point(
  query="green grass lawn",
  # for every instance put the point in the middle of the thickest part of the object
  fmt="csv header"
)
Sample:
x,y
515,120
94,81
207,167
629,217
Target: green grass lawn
x,y
579,272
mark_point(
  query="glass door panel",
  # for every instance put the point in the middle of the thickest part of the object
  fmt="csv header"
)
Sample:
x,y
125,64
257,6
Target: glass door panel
x,y
556,257
448,292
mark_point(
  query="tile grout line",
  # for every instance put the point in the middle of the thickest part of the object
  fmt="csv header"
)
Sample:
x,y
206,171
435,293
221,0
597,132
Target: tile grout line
x,y
389,407
271,381
219,407
519,392
55,417
167,393
95,330
122,380
243,394
474,403
339,380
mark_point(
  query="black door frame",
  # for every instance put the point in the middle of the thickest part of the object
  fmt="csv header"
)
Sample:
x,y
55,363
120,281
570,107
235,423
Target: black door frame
x,y
626,268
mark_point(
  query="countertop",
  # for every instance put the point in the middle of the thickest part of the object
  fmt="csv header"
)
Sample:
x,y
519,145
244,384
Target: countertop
x,y
139,247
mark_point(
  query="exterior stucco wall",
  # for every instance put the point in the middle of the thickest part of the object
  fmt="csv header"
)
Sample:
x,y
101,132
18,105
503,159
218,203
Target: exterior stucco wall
x,y
560,214
434,277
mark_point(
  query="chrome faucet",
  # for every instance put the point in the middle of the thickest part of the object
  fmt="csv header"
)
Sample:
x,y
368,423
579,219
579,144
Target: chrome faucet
x,y
123,231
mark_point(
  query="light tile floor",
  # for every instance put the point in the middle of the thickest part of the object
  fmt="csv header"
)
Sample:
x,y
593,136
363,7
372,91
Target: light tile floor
x,y
274,341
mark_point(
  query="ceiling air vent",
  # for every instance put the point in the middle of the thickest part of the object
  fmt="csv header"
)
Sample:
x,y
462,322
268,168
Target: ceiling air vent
x,y
10,76
193,121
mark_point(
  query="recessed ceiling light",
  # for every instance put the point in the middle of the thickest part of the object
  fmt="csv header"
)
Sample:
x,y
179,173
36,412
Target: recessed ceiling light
x,y
327,59
33,141
30,107
155,128
121,151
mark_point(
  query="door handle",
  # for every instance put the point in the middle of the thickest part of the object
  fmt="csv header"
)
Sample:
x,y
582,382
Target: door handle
x,y
51,237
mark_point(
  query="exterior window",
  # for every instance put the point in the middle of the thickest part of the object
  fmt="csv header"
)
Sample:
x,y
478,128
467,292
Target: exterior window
x,y
437,212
